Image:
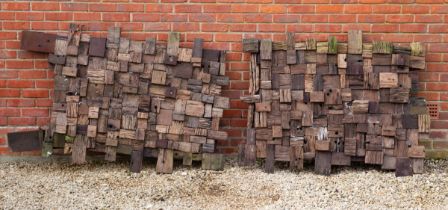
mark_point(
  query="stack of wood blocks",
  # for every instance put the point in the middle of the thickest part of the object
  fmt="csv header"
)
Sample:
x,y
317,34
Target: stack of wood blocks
x,y
335,103
114,95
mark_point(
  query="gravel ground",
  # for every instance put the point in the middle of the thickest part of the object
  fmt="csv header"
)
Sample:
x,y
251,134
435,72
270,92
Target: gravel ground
x,y
99,185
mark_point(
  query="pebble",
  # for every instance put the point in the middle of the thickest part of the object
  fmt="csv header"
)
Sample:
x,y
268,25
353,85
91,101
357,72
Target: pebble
x,y
103,186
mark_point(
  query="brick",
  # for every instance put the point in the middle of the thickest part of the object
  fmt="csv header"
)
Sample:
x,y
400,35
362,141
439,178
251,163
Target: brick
x,y
35,93
61,16
431,86
9,93
328,28
20,102
7,15
45,25
244,8
8,35
413,28
157,27
389,9
16,25
439,9
42,121
431,96
101,7
438,134
358,9
9,112
40,102
428,38
439,47
429,18
32,74
130,8
301,9
342,18
44,83
384,28
20,84
230,18
30,16
21,121
258,18
399,18
15,6
216,8
439,124
238,85
74,7
314,18
273,9
228,37
329,9
371,18
202,17
213,27
286,18
45,6
437,67
181,27
174,18
35,112
87,16
415,9
429,77
8,74
185,8
116,17
165,8
438,28
206,37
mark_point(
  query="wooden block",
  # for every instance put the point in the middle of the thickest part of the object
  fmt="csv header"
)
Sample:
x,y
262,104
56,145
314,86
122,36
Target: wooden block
x,y
317,97
212,161
136,161
270,158
197,52
332,45
417,49
399,95
424,123
382,47
165,161
69,71
403,167
417,62
285,95
91,131
355,42
418,165
194,108
158,77
374,157
296,158
79,149
388,80
360,106
322,163
322,145
416,151
277,131
251,45
342,61
149,47
266,49
263,107
340,159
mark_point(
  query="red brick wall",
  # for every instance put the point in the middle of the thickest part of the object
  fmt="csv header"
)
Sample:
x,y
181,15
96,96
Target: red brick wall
x,y
26,81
